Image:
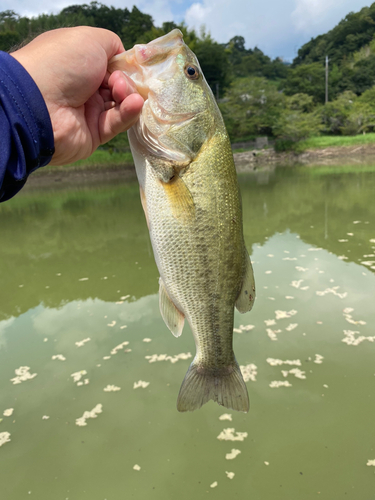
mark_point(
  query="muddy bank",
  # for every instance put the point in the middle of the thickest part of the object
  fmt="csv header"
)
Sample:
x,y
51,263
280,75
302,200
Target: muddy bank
x,y
245,162
343,155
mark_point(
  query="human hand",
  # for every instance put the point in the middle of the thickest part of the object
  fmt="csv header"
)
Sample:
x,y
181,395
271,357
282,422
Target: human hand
x,y
87,106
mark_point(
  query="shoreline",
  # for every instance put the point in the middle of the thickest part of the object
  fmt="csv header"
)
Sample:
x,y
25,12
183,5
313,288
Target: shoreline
x,y
247,161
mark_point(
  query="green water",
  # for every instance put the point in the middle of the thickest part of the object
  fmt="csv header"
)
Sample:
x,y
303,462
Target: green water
x,y
76,266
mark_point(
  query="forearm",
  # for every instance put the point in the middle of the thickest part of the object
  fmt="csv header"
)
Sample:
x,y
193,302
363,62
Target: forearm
x,y
26,136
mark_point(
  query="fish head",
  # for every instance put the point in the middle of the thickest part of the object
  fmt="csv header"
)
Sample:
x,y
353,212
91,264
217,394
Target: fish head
x,y
179,113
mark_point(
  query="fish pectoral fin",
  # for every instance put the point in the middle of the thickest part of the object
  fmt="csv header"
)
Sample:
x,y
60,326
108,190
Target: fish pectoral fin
x,y
180,199
245,300
173,318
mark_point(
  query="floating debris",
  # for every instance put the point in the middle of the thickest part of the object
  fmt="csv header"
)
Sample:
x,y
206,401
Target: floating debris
x,y
60,357
285,314
270,322
275,384
294,371
45,417
112,323
4,438
83,279
249,372
351,339
289,258
332,290
119,347
349,317
278,362
291,327
82,342
8,412
302,269
243,328
225,416
318,359
81,422
141,383
231,435
147,340
213,485
123,326
266,463
164,357
233,454
136,467
369,462
78,375
23,374
272,333
230,475
111,388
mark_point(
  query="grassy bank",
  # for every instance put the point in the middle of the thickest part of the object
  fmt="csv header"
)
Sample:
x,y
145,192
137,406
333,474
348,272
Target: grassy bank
x,y
105,159
98,160
323,142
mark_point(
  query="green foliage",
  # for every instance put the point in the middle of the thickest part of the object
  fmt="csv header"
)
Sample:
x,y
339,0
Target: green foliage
x,y
251,106
253,62
296,122
352,33
307,79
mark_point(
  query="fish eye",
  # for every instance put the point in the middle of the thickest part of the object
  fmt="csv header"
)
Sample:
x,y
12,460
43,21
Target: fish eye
x,y
191,72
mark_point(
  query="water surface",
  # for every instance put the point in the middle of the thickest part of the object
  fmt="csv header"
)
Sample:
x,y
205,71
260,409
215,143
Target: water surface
x,y
79,309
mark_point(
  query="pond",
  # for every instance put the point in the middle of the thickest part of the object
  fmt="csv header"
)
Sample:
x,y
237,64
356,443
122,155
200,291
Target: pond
x,y
89,373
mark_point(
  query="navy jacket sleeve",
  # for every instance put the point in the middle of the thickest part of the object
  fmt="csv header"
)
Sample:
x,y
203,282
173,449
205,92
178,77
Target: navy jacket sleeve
x,y
26,136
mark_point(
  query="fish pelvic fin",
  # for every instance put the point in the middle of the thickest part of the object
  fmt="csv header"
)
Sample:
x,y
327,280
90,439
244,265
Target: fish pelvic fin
x,y
173,318
245,300
226,386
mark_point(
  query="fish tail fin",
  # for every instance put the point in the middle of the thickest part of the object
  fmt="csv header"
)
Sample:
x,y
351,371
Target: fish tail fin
x,y
226,386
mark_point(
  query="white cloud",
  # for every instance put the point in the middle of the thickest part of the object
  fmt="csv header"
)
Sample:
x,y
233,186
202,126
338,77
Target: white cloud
x,y
278,28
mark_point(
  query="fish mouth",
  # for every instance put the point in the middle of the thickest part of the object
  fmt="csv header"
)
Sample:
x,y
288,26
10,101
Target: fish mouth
x,y
137,62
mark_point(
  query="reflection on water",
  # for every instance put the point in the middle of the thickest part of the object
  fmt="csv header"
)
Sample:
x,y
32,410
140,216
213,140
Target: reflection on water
x,y
89,374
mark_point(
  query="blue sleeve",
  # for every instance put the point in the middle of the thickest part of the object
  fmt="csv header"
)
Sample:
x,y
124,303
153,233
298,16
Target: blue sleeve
x,y
26,135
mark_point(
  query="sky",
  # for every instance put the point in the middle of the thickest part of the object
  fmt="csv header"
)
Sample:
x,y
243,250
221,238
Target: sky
x,y
278,27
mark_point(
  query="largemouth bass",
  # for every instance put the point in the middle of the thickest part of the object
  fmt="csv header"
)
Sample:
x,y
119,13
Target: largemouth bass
x,y
191,200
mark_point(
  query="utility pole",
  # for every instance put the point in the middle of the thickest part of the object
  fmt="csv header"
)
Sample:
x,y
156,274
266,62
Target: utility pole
x,y
326,79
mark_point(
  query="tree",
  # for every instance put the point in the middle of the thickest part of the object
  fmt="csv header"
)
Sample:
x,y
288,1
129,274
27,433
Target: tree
x,y
306,79
251,107
136,26
296,122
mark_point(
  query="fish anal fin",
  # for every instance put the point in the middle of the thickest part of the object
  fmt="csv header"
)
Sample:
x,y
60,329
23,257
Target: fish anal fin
x,y
225,386
173,318
180,199
245,299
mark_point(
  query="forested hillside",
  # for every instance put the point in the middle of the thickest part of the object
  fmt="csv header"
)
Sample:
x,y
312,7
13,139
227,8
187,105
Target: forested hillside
x,y
257,95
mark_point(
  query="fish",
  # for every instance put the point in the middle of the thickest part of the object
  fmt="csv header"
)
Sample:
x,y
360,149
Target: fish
x,y
190,196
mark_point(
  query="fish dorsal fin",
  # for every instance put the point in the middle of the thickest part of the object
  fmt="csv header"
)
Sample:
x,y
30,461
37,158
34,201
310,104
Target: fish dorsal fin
x,y
246,298
173,318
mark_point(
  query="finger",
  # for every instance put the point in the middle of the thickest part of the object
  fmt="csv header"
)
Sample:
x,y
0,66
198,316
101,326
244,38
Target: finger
x,y
121,86
120,118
